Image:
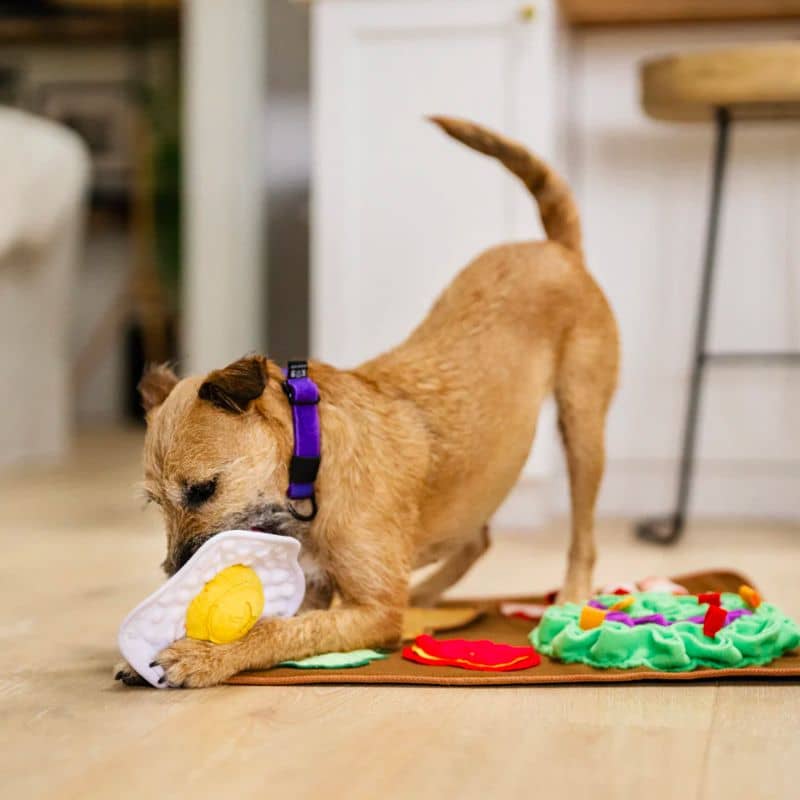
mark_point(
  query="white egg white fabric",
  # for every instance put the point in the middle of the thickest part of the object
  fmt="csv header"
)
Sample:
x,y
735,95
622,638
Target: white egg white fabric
x,y
161,619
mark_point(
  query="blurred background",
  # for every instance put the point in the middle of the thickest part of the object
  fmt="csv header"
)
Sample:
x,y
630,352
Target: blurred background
x,y
192,181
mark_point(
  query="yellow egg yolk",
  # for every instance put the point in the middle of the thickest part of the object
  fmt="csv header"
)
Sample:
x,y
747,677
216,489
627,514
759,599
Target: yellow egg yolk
x,y
227,607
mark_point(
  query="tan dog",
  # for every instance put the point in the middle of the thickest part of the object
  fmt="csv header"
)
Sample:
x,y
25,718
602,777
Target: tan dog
x,y
419,446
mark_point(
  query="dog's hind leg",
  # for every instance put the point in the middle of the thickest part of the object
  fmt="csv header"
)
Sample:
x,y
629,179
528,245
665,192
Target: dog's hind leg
x,y
585,384
457,564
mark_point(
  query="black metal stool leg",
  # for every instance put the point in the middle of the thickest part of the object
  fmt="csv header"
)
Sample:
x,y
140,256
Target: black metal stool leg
x,y
666,530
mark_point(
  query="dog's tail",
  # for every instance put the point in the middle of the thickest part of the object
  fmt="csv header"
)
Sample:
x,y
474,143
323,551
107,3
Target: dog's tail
x,y
556,204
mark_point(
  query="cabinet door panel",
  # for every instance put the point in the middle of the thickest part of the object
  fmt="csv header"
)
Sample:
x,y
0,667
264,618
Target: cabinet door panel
x,y
398,208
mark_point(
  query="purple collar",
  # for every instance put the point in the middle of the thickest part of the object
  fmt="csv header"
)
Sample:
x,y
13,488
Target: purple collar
x,y
303,396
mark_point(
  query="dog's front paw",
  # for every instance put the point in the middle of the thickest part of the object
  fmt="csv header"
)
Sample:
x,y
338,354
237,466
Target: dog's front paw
x,y
193,664
124,672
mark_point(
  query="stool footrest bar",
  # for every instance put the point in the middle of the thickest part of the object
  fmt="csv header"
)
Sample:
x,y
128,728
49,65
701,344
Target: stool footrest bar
x,y
745,357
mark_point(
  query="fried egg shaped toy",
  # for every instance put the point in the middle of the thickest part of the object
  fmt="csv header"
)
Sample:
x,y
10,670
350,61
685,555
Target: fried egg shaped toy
x,y
233,580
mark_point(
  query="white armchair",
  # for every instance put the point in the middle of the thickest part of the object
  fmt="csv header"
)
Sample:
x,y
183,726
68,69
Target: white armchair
x,y
44,171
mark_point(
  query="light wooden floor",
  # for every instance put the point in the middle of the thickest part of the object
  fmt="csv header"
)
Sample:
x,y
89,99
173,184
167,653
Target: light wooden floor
x,y
77,553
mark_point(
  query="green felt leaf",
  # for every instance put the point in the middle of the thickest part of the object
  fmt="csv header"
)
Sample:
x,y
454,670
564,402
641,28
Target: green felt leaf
x,y
355,658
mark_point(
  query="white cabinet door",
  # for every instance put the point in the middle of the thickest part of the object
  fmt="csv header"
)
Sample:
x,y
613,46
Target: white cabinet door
x,y
398,208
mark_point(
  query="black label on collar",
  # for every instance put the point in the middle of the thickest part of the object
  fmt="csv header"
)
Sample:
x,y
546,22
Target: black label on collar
x,y
297,369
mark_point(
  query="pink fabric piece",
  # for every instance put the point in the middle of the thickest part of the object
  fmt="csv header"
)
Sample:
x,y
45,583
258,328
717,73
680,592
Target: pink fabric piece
x,y
619,588
653,583
531,611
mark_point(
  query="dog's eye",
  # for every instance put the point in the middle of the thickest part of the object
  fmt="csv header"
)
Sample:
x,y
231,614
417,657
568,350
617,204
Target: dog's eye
x,y
195,494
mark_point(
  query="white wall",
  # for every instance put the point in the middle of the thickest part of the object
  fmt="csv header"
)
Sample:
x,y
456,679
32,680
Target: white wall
x,y
288,146
225,92
399,208
643,190
248,155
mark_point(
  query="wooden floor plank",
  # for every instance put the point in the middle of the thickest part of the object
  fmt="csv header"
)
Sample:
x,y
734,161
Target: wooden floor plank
x,y
754,747
79,552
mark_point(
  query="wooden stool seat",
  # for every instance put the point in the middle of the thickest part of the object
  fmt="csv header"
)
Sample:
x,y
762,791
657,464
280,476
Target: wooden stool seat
x,y
758,81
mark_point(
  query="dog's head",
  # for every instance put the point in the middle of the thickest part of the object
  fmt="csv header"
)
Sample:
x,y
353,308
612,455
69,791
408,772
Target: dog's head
x,y
216,453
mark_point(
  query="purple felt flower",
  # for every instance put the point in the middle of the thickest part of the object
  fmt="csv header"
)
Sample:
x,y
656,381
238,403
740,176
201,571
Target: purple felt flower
x,y
655,619
620,616
660,619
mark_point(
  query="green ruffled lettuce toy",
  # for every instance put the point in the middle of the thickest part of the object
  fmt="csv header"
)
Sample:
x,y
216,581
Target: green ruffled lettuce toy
x,y
667,632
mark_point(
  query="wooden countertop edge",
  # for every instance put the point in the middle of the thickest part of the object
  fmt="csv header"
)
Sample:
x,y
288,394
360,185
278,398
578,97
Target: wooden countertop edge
x,y
606,13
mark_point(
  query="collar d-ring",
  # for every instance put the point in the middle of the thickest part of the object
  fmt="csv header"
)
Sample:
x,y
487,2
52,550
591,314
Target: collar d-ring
x,y
304,517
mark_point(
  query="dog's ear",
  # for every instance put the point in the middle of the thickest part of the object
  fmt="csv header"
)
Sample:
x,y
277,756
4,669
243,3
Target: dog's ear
x,y
237,385
156,384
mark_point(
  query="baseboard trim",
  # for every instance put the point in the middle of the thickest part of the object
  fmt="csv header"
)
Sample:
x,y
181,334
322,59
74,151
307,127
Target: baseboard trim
x,y
745,490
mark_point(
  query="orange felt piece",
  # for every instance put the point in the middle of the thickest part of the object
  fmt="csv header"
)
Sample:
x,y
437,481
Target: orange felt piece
x,y
591,617
621,605
750,596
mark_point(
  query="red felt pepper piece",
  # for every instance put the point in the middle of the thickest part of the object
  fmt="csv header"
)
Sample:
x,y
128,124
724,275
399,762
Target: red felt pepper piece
x,y
714,620
478,655
712,598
